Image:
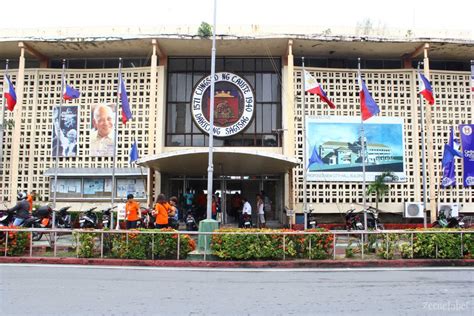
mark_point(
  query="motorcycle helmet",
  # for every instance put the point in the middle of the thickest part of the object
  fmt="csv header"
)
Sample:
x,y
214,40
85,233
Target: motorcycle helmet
x,y
21,196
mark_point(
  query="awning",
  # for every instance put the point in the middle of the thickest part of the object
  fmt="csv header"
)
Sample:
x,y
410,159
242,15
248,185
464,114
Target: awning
x,y
227,161
91,172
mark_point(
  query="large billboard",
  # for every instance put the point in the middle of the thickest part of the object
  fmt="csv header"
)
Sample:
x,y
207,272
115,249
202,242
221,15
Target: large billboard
x,y
65,131
102,130
337,141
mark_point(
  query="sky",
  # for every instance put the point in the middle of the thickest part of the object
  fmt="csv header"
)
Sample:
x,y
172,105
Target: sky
x,y
406,14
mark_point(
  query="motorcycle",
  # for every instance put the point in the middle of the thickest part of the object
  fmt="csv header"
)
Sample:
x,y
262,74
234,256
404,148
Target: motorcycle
x,y
146,220
88,219
41,218
63,218
6,218
443,221
107,214
311,219
246,220
354,220
191,224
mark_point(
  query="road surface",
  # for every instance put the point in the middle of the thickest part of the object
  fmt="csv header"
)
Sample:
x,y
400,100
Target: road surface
x,y
88,290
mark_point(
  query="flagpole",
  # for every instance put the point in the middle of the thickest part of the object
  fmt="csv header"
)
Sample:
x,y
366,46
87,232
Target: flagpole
x,y
305,197
423,153
58,137
210,168
2,125
114,158
362,136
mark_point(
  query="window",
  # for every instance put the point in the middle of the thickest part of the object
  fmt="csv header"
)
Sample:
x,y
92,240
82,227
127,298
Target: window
x,y
263,74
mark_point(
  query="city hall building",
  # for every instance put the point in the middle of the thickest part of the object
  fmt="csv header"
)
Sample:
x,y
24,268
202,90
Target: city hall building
x,y
262,116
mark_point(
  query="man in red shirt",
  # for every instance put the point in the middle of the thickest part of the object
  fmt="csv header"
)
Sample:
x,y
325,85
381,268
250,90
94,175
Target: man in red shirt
x,y
132,209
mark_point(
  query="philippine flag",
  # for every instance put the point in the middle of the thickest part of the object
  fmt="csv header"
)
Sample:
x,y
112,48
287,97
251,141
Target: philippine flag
x,y
312,86
134,152
122,92
315,158
69,93
368,106
425,88
9,93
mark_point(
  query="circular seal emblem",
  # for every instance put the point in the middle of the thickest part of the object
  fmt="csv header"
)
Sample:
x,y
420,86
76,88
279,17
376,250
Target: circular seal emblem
x,y
467,130
234,104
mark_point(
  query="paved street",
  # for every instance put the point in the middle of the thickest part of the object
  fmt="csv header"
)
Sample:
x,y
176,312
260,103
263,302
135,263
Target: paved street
x,y
86,290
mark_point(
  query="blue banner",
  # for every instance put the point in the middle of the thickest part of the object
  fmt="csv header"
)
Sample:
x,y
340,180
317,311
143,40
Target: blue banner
x,y
467,143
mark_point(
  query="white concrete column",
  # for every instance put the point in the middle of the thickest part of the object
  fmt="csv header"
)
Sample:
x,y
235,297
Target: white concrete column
x,y
288,116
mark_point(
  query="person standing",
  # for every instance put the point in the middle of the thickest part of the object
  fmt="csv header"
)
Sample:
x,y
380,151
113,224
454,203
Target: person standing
x,y
246,211
189,197
260,212
132,210
30,198
162,209
173,214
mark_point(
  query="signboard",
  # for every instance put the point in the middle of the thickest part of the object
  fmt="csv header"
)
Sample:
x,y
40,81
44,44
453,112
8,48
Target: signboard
x,y
467,144
102,131
234,104
337,141
65,131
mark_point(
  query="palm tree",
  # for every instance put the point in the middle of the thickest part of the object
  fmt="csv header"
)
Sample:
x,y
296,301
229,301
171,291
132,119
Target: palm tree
x,y
379,187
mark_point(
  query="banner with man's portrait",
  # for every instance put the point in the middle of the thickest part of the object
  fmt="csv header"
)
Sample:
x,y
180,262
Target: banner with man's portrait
x,y
64,142
102,130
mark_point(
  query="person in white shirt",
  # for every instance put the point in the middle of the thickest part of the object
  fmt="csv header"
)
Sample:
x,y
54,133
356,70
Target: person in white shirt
x,y
246,209
102,136
260,211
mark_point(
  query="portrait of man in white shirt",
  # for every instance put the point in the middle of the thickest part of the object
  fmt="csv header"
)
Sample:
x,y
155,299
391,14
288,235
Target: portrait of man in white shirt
x,y
103,131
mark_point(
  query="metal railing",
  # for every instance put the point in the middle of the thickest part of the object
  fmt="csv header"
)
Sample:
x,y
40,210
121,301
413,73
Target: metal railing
x,y
340,239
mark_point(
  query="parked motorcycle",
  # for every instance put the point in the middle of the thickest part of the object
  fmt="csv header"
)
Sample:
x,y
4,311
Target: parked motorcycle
x,y
88,219
311,219
246,221
191,224
6,218
146,220
63,218
41,218
355,220
106,216
448,222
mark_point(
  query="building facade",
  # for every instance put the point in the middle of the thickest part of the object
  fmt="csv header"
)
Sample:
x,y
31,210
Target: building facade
x,y
259,74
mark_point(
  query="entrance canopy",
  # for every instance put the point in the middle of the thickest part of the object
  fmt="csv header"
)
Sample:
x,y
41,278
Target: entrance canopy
x,y
227,161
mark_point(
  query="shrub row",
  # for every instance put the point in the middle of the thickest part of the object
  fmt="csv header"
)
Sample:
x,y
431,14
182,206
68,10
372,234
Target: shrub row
x,y
134,245
271,246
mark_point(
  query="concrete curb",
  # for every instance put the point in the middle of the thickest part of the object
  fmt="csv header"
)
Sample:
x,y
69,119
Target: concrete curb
x,y
248,264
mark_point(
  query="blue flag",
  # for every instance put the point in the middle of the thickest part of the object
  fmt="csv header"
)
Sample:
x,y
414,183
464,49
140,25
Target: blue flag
x,y
315,158
126,112
451,150
134,152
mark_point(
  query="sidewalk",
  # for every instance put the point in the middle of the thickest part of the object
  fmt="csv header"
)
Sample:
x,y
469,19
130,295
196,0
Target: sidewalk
x,y
288,264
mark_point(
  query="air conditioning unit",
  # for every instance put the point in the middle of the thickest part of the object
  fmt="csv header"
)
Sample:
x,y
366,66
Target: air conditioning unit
x,y
413,210
446,208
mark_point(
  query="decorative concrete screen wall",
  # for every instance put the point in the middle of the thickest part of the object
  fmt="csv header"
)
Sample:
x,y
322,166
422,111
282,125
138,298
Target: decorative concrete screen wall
x,y
42,92
395,91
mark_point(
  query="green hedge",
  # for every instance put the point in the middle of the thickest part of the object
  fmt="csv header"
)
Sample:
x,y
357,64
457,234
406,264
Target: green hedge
x,y
439,245
134,245
270,246
18,242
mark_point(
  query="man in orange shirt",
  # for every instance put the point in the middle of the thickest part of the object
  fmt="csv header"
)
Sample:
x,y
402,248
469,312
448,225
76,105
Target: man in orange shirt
x,y
162,209
30,198
132,209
